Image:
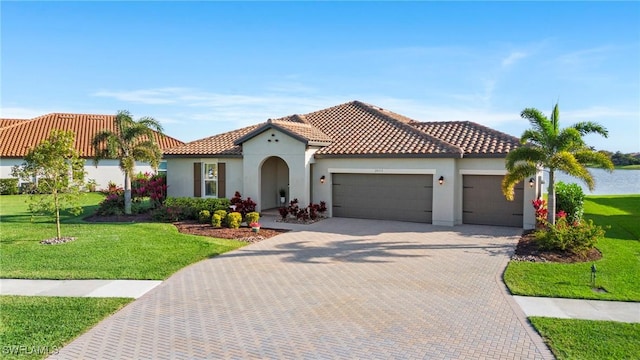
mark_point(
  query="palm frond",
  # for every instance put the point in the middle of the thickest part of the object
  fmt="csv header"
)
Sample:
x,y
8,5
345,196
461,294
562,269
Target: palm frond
x,y
527,154
151,123
515,175
566,162
590,127
594,158
569,139
538,121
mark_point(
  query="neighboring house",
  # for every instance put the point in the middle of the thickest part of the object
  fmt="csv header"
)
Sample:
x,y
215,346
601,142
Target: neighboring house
x,y
364,162
18,136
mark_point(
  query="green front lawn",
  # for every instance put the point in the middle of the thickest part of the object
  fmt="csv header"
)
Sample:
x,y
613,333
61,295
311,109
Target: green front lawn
x,y
586,340
617,271
100,251
34,327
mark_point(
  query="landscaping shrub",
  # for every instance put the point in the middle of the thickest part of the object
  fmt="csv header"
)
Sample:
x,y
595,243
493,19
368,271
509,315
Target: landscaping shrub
x,y
150,186
570,199
242,206
576,238
223,216
113,204
204,216
234,220
190,207
313,211
252,217
216,220
167,214
540,207
9,186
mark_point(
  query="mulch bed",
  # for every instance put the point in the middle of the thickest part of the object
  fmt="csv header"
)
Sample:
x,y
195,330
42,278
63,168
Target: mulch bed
x,y
527,250
241,234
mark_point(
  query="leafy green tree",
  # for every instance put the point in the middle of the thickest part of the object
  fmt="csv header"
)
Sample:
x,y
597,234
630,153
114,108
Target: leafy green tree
x,y
59,171
130,142
548,146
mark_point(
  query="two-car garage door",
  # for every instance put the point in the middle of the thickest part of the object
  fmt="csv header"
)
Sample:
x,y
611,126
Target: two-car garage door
x,y
383,196
406,197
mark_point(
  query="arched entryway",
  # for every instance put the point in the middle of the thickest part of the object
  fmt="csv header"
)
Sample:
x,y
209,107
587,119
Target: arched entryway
x,y
274,176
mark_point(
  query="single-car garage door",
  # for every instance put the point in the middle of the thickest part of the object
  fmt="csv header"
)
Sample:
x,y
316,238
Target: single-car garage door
x,y
383,196
483,202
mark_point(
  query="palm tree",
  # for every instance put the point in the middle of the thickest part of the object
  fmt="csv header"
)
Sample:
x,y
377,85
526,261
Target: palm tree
x,y
548,146
132,141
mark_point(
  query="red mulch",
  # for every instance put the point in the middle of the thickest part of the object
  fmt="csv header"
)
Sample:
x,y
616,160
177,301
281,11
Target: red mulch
x,y
242,234
195,228
527,250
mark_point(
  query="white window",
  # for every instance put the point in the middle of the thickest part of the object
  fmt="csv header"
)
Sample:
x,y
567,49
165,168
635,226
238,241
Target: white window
x,y
162,168
211,180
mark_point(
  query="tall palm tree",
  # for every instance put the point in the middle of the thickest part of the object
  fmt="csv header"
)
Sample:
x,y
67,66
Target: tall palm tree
x,y
130,142
548,146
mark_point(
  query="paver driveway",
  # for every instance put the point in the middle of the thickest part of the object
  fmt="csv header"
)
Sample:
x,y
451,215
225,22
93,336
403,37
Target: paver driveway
x,y
340,288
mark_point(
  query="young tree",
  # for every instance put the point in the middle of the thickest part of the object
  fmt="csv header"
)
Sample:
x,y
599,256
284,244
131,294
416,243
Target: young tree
x,y
130,142
548,146
59,173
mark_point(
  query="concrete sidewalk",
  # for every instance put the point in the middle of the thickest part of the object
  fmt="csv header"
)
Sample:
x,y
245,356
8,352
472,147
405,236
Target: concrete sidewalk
x,y
77,288
531,306
580,309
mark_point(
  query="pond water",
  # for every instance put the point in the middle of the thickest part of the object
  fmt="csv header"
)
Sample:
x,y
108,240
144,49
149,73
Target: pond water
x,y
616,183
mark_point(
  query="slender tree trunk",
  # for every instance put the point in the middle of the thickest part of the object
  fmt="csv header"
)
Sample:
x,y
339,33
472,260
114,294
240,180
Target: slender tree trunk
x,y
551,203
57,206
127,193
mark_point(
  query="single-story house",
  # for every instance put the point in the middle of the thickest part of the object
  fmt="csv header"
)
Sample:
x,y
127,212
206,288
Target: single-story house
x,y
18,136
364,162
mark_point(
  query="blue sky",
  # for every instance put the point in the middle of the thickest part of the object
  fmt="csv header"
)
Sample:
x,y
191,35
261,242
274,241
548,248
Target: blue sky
x,y
203,68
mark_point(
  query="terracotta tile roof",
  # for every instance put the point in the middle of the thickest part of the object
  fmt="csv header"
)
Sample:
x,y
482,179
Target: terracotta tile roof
x,y
356,129
221,144
476,140
9,122
18,138
360,129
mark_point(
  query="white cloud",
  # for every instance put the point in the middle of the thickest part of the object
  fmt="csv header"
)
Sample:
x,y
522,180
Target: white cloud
x,y
513,58
159,96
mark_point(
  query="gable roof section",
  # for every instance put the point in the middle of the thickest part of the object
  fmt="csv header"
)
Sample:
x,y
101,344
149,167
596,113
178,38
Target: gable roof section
x,y
356,129
476,140
218,145
17,139
300,131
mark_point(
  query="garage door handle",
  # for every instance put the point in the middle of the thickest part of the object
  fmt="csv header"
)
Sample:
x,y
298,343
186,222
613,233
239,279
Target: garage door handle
x,y
467,211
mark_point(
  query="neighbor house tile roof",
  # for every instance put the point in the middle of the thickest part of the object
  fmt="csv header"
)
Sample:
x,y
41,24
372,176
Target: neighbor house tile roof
x,y
16,139
356,129
10,122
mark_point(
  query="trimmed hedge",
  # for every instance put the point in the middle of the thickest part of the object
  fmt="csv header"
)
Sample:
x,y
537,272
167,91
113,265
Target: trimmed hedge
x,y
9,186
191,207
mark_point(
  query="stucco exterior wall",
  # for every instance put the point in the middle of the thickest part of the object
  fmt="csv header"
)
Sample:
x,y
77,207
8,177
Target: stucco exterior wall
x,y
106,171
180,175
275,143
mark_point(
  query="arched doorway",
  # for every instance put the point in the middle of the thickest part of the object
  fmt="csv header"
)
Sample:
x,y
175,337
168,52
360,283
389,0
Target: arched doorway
x,y
274,175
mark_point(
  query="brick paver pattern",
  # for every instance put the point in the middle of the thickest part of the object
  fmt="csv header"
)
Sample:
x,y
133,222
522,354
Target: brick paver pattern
x,y
340,288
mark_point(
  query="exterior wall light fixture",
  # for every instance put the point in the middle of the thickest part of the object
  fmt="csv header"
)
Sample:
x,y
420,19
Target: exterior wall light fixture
x,y
322,178
441,180
532,182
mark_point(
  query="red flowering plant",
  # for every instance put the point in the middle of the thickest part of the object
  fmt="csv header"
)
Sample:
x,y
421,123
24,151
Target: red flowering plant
x,y
541,211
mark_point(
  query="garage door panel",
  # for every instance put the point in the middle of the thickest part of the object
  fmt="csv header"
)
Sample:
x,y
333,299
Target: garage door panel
x,y
383,196
483,202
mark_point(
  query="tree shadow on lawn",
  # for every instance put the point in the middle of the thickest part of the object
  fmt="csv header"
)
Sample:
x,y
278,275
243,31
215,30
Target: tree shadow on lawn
x,y
364,251
623,226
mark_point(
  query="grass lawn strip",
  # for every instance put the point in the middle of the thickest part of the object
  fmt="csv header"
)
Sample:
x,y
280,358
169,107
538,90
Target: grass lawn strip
x,y
34,327
585,340
139,251
617,271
